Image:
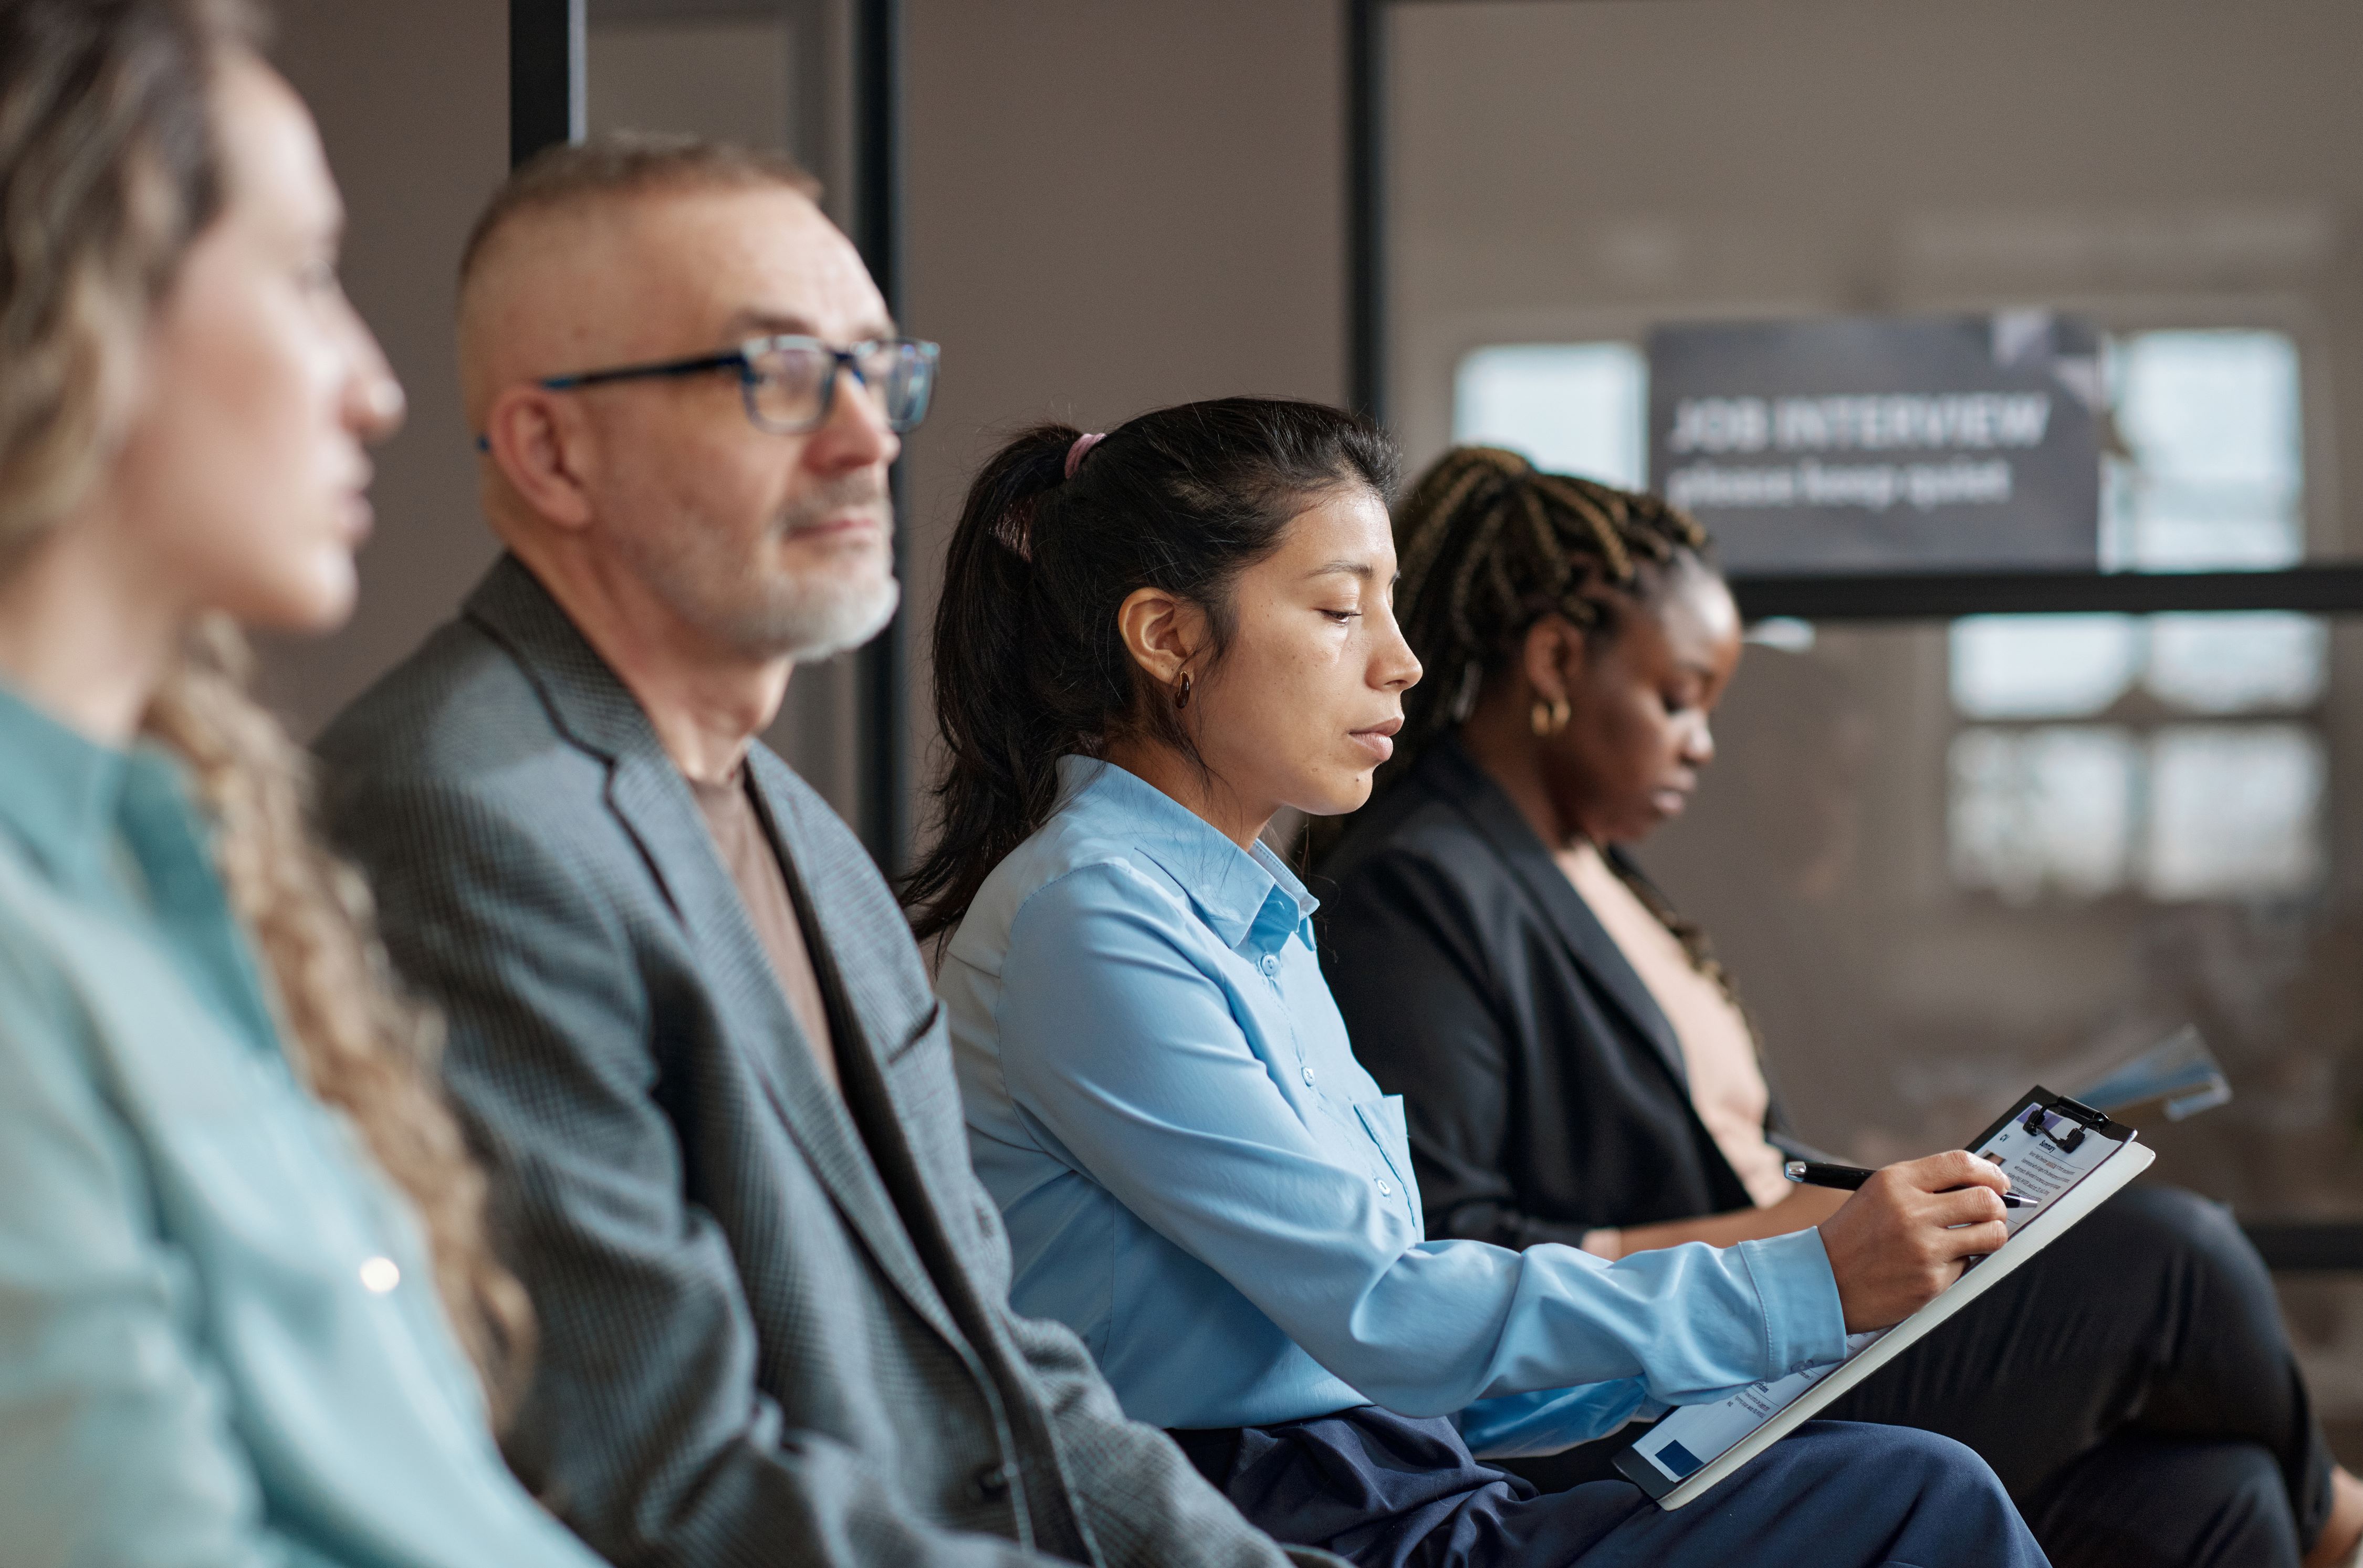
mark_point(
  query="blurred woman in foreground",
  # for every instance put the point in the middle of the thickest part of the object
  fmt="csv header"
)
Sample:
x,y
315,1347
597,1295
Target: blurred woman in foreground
x,y
1577,1069
225,1336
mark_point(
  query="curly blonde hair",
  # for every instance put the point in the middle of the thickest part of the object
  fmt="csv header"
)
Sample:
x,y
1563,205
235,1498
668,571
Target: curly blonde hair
x,y
108,171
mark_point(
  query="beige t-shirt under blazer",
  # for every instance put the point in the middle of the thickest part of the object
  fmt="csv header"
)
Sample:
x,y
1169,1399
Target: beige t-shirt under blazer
x,y
754,866
1727,1085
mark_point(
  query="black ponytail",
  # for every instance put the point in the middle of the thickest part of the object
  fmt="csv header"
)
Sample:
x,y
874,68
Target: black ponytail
x,y
1030,666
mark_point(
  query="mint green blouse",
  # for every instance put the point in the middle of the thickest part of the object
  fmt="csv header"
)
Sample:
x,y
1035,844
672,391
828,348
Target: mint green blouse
x,y
219,1344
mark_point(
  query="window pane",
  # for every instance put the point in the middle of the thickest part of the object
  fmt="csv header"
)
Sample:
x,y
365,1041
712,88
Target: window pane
x,y
2033,809
2216,476
2211,420
1927,913
2042,666
1572,408
2233,810
2073,666
2238,662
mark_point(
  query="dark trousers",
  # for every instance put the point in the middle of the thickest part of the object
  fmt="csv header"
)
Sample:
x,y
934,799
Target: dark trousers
x,y
2131,1386
1385,1491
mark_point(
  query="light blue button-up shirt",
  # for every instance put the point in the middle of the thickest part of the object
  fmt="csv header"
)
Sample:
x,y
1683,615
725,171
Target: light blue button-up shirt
x,y
1200,1179
219,1341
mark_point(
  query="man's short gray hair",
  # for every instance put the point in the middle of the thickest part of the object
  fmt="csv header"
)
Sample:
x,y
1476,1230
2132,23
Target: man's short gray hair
x,y
627,164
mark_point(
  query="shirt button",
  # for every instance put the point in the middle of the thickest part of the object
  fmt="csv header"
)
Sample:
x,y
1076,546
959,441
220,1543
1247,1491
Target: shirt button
x,y
991,1481
1385,1190
1308,1077
380,1275
1271,963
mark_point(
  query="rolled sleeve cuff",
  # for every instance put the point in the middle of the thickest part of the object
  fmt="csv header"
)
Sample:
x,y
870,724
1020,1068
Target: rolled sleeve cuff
x,y
1522,1425
1804,1325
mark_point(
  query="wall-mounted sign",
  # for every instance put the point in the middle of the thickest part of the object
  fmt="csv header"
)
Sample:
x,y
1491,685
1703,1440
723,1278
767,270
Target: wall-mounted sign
x,y
1878,445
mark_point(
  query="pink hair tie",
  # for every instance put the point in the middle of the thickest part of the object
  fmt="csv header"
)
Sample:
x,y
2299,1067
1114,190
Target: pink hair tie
x,y
1075,453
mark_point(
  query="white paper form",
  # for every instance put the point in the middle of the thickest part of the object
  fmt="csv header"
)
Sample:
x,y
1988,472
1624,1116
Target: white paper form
x,y
1686,1442
2044,1153
2038,1164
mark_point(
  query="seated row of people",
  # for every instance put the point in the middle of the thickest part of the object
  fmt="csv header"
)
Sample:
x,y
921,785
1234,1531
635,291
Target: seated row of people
x,y
1150,644
699,1228
1577,1068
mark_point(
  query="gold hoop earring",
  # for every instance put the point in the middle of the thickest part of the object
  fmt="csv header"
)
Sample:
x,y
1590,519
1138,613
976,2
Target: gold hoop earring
x,y
1181,698
1549,717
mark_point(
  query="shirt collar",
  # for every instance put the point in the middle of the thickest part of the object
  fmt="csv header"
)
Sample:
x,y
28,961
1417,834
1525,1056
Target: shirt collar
x,y
61,792
1240,893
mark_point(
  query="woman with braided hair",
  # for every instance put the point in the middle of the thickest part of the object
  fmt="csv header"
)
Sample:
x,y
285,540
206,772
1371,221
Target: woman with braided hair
x,y
1147,646
1578,1071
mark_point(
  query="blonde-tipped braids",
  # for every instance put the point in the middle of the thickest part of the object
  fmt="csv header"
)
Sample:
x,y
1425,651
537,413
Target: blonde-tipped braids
x,y
1488,545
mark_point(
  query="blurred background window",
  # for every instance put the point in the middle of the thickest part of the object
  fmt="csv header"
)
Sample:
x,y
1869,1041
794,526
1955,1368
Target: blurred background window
x,y
1945,851
2042,666
2040,810
2154,803
2208,474
1937,873
1572,408
2233,810
2211,475
2234,664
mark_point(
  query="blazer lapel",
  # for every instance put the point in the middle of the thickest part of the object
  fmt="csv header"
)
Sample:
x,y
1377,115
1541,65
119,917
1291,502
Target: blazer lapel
x,y
1473,791
885,1005
649,795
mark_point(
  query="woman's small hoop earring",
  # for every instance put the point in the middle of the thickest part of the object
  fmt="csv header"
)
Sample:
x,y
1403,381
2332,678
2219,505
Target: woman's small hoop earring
x,y
1550,718
1181,698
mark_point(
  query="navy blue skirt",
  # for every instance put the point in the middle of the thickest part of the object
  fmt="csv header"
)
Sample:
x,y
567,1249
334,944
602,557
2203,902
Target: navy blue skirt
x,y
1386,1491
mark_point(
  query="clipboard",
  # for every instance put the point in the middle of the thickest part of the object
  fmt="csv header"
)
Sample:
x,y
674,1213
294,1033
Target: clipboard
x,y
2070,1156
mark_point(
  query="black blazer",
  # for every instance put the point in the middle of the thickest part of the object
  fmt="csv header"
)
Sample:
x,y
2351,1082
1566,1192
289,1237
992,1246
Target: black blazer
x,y
1545,1089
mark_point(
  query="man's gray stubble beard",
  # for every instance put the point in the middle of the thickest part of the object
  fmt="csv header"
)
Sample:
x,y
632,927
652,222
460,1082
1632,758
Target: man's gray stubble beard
x,y
843,624
803,618
809,632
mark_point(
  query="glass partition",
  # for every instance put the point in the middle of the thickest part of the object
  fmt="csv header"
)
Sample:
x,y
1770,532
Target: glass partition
x,y
1944,862
1946,857
1561,180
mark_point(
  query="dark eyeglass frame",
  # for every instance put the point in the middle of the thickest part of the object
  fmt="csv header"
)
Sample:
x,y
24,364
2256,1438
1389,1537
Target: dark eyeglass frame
x,y
742,358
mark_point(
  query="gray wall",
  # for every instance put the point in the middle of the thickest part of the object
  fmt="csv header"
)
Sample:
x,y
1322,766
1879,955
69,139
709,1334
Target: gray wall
x,y
1110,207
412,103
1114,207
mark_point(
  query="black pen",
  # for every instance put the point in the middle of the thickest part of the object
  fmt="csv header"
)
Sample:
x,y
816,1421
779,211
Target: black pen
x,y
1850,1178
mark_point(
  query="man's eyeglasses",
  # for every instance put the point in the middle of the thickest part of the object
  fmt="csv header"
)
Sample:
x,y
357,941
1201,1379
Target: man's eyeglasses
x,y
788,382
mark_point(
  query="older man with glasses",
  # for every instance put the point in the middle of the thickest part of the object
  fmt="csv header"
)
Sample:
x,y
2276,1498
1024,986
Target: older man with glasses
x,y
686,1018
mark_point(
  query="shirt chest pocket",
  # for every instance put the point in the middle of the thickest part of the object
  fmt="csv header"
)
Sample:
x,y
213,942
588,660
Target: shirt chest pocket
x,y
1383,1120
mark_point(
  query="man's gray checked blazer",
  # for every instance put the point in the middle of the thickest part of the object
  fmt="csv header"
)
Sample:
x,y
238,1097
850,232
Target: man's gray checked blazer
x,y
775,1326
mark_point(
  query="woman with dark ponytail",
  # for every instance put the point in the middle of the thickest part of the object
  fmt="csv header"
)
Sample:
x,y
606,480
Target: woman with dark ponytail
x,y
1148,646
1030,664
1579,1072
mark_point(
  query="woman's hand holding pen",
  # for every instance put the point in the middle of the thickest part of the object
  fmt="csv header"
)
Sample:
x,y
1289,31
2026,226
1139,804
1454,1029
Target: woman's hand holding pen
x,y
1909,1232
